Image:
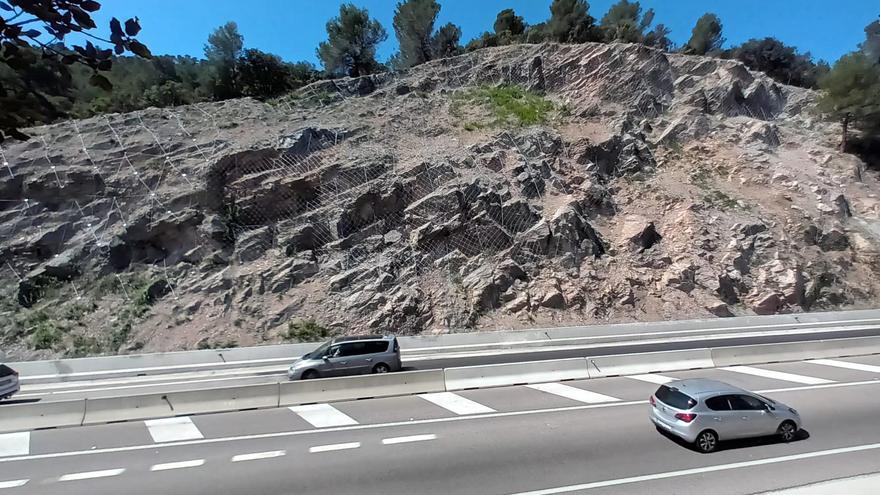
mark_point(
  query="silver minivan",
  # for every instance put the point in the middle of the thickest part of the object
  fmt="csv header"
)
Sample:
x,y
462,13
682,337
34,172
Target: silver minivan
x,y
9,385
703,412
344,356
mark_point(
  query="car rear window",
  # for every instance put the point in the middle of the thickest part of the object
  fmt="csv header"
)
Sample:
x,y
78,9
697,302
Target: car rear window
x,y
674,397
5,371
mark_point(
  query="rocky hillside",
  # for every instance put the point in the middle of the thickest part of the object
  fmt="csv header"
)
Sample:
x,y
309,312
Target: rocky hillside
x,y
528,185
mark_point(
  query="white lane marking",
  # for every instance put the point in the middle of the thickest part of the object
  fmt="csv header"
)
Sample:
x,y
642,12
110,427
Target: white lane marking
x,y
847,365
173,429
13,483
259,455
409,439
777,375
178,465
296,433
653,378
92,474
702,470
323,415
573,393
15,443
456,403
334,447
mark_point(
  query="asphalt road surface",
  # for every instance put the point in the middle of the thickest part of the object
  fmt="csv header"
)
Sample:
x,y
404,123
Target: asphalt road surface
x,y
590,437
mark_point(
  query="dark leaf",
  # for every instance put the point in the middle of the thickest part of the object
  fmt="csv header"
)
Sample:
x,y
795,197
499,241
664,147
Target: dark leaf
x,y
139,49
5,6
115,27
82,18
80,50
69,59
132,27
105,54
105,65
101,82
32,33
91,51
90,6
119,49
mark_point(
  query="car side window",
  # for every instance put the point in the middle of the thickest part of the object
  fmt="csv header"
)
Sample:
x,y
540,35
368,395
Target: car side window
x,y
377,347
745,403
334,351
354,349
719,403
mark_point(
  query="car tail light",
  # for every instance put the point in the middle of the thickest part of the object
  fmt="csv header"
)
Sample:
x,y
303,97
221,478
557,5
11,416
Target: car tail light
x,y
653,402
686,417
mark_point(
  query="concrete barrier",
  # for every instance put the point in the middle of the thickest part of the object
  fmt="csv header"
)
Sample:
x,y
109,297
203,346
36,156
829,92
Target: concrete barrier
x,y
498,375
110,409
30,416
648,362
794,351
225,399
176,362
361,387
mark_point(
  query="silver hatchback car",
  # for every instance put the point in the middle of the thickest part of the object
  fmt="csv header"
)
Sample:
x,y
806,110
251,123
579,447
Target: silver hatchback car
x,y
348,356
704,412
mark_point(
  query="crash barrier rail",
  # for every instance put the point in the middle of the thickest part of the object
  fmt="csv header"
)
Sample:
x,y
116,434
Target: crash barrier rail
x,y
185,361
38,414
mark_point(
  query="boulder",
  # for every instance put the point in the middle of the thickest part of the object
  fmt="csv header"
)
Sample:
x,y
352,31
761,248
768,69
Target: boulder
x,y
488,283
680,276
553,299
571,233
720,309
253,244
639,233
767,304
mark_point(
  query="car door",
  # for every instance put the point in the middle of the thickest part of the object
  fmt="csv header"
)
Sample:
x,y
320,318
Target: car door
x,y
751,413
723,420
765,419
335,361
353,358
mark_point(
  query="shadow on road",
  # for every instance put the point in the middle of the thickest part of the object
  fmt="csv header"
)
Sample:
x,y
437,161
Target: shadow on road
x,y
738,444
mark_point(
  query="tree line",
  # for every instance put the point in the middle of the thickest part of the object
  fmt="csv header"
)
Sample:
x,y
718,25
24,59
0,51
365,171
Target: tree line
x,y
41,82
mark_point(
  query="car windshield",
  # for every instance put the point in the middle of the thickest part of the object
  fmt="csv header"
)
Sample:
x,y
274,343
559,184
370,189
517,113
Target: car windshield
x,y
320,351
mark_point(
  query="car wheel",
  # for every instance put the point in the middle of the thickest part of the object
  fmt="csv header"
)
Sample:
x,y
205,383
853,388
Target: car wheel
x,y
310,375
381,368
706,441
787,431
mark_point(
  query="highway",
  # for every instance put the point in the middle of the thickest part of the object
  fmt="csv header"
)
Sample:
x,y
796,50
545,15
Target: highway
x,y
438,358
589,437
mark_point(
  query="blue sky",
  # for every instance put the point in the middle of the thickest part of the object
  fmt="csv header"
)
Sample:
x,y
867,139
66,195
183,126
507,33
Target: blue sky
x,y
293,28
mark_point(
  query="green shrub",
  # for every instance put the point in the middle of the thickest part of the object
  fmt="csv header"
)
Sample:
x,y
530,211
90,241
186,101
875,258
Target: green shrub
x,y
510,105
305,331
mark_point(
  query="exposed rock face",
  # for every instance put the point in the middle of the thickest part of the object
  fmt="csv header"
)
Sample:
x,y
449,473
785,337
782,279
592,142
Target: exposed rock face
x,y
661,186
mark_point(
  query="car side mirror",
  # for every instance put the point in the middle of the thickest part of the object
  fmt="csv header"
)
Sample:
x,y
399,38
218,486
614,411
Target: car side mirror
x,y
325,357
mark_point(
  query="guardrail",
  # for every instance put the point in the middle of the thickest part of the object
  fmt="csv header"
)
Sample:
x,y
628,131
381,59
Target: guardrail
x,y
17,417
184,361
